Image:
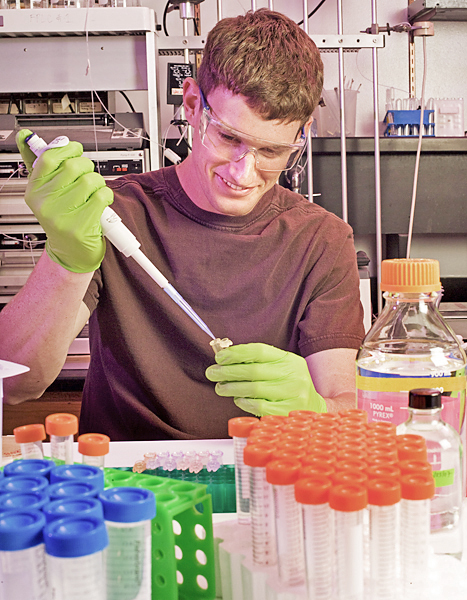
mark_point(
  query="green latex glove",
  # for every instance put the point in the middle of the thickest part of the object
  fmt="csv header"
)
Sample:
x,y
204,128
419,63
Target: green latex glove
x,y
68,198
265,380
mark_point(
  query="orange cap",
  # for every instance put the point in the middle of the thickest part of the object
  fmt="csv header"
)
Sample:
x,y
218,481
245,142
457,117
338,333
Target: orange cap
x,y
305,415
313,490
349,476
411,451
299,427
61,424
283,472
284,453
384,452
412,438
410,275
321,446
384,471
420,467
241,426
26,434
351,454
381,426
277,419
257,455
311,469
93,444
383,492
356,437
348,497
318,455
354,413
417,487
382,459
351,463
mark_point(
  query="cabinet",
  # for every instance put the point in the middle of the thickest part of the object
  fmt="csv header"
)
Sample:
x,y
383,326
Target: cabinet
x,y
79,49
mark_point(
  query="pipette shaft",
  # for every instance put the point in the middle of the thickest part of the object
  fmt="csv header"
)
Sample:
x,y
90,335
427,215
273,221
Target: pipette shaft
x,y
122,238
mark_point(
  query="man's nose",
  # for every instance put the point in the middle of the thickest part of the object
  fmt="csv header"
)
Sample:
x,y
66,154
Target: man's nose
x,y
245,165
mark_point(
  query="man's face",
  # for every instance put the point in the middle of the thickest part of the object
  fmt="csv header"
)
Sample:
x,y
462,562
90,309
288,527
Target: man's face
x,y
230,187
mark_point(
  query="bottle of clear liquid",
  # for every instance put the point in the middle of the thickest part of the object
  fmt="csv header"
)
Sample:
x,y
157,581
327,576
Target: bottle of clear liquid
x,y
444,449
410,346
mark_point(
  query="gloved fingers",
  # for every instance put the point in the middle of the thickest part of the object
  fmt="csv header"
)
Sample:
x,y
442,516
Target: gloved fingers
x,y
26,153
249,353
91,211
244,372
62,171
260,408
269,391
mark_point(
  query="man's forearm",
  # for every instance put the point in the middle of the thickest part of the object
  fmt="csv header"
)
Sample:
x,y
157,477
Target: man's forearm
x,y
38,326
343,401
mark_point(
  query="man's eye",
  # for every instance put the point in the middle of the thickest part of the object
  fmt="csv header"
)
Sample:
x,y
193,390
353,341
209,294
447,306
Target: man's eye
x,y
227,138
272,152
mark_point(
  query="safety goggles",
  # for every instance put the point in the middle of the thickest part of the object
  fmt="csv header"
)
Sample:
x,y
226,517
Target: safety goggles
x,y
233,145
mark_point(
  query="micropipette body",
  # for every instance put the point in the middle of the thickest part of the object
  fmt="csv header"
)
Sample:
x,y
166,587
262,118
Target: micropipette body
x,y
122,238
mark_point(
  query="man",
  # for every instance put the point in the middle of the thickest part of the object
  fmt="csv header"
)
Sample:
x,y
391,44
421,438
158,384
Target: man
x,y
259,264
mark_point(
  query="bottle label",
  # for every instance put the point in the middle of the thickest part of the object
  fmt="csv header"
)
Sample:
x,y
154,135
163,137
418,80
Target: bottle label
x,y
385,396
443,478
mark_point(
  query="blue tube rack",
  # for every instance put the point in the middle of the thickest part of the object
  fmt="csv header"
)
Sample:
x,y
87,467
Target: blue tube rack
x,y
406,123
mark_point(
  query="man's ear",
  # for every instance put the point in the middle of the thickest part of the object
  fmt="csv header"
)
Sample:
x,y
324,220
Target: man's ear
x,y
191,99
308,125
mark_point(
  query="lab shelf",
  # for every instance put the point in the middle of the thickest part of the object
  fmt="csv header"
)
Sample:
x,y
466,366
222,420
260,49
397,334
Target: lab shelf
x,y
437,10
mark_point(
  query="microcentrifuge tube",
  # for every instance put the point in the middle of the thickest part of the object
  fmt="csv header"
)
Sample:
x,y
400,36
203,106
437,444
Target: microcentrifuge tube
x,y
61,427
219,344
30,438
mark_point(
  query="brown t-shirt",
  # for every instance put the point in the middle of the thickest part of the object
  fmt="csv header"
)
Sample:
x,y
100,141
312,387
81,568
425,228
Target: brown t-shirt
x,y
285,275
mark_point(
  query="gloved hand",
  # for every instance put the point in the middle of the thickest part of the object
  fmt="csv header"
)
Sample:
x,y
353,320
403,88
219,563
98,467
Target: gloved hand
x,y
68,198
265,380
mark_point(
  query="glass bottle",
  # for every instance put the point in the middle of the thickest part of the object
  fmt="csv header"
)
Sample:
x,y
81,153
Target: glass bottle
x,y
410,346
444,450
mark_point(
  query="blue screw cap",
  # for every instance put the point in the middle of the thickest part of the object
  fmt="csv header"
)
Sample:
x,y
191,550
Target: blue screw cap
x,y
67,489
29,466
21,529
128,504
77,506
72,537
23,483
87,473
23,500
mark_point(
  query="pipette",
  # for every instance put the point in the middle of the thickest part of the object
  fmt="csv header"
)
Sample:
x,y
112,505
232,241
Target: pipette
x,y
122,238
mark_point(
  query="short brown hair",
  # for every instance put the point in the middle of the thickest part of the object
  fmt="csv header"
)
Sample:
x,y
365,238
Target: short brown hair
x,y
269,59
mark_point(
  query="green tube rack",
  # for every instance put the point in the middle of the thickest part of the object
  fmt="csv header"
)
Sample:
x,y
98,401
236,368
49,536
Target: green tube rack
x,y
183,564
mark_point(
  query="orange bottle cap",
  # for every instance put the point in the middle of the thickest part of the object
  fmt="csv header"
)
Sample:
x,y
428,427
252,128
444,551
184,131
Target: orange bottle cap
x,y
349,476
415,466
241,426
280,453
351,454
313,490
354,413
384,471
283,472
384,492
390,453
263,435
27,434
311,469
416,486
320,456
381,426
93,444
277,419
257,454
298,427
348,497
411,275
354,464
411,451
306,415
381,441
412,439
321,446
61,424
382,459
327,418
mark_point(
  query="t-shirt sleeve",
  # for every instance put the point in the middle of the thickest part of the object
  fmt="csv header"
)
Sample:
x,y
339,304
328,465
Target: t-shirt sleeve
x,y
91,297
333,317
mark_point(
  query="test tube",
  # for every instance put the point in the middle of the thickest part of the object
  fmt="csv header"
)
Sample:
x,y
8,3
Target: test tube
x,y
93,448
283,474
348,502
61,427
30,438
312,493
383,499
75,558
416,491
263,537
22,557
239,429
128,512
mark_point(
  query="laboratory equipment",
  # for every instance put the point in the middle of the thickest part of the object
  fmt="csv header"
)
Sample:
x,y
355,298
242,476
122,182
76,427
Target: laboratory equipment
x,y
239,429
27,500
61,427
72,489
312,493
22,557
75,558
416,493
93,448
7,369
444,453
348,502
31,466
87,473
282,475
128,512
410,346
263,536
122,238
73,506
30,438
383,502
23,483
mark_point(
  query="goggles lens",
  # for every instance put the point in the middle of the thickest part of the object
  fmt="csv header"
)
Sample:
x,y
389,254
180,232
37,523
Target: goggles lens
x,y
233,145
